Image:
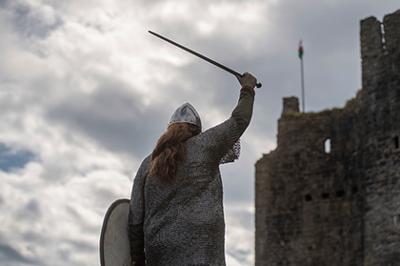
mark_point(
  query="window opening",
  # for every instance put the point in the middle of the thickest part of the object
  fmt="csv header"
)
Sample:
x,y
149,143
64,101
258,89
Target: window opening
x,y
396,142
327,146
297,157
325,195
308,197
340,193
383,38
354,190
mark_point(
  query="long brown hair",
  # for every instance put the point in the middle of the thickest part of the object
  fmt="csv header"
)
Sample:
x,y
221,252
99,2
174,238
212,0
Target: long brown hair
x,y
171,150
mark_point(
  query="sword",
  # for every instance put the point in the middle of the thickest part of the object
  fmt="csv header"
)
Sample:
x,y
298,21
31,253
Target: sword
x,y
237,74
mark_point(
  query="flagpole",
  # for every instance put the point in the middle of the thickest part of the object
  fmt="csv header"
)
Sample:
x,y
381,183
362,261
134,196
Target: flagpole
x,y
302,84
301,55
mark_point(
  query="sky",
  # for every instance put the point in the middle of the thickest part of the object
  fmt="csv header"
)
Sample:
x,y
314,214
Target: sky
x,y
85,92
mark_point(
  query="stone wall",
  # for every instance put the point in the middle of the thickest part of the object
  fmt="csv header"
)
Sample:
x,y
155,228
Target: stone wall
x,y
330,192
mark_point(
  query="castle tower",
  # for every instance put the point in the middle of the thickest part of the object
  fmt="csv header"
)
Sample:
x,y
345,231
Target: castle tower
x,y
329,194
380,157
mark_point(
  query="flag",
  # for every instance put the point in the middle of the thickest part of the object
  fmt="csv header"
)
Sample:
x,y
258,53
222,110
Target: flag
x,y
301,50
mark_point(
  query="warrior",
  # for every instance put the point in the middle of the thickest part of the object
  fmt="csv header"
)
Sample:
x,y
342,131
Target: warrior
x,y
176,210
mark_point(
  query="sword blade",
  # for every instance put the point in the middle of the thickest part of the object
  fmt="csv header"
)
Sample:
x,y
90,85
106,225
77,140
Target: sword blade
x,y
197,54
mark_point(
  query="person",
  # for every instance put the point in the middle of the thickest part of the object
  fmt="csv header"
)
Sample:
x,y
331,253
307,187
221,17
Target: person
x,y
176,211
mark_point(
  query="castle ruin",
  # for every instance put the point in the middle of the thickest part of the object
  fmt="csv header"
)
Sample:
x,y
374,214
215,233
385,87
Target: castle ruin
x,y
329,194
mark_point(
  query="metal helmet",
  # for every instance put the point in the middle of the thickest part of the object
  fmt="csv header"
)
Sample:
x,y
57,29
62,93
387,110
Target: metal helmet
x,y
185,114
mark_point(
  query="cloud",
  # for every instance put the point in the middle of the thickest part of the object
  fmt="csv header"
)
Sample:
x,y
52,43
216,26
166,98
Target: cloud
x,y
113,115
239,224
13,257
31,210
32,18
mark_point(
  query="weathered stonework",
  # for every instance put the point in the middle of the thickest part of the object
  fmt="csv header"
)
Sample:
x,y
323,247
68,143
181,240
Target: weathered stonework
x,y
339,206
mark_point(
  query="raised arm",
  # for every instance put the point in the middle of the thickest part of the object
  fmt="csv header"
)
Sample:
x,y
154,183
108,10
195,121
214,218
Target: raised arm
x,y
219,139
136,216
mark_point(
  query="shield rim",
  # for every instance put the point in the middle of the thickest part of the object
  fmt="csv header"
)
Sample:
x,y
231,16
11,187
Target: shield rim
x,y
104,226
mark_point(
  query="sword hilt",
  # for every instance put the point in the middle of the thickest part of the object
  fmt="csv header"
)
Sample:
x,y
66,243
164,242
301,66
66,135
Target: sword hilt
x,y
258,84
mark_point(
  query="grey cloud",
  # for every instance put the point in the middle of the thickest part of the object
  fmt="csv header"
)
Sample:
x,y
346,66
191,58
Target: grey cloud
x,y
243,216
114,116
239,254
30,211
30,21
84,227
238,184
71,248
79,217
244,219
82,246
11,256
73,213
35,237
64,254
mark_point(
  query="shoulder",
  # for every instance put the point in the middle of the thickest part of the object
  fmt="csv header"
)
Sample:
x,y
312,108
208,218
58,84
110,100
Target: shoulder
x,y
143,167
146,160
215,133
145,163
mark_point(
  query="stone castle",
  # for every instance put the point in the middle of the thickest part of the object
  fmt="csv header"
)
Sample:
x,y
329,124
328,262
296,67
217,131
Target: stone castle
x,y
329,194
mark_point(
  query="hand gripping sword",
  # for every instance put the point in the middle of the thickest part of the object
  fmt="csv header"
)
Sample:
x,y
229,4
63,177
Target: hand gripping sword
x,y
237,74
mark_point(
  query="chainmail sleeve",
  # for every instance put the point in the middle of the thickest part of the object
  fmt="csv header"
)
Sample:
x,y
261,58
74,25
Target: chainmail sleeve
x,y
136,216
223,140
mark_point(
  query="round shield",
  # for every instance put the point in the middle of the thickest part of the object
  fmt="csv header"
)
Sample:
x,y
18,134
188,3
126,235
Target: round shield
x,y
114,241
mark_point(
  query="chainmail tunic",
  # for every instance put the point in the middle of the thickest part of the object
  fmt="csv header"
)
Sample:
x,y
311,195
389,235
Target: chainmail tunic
x,y
182,222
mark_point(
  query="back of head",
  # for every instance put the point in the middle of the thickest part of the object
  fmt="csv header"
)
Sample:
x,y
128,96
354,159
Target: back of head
x,y
171,150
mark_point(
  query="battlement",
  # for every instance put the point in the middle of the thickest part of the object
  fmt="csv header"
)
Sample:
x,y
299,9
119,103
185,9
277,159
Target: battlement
x,y
290,105
380,48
